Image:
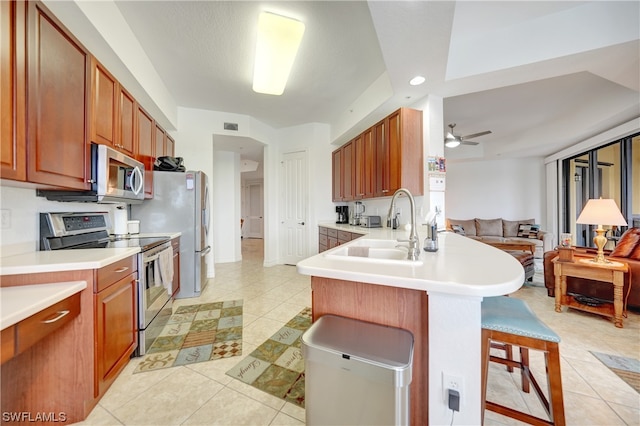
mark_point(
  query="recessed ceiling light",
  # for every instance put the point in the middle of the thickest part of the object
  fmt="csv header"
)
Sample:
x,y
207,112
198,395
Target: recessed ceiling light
x,y
417,80
278,40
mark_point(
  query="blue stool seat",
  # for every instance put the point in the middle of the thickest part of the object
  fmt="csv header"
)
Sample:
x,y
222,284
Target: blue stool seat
x,y
514,316
508,321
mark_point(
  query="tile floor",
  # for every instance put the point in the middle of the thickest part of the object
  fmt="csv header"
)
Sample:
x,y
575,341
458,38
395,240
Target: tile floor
x,y
202,394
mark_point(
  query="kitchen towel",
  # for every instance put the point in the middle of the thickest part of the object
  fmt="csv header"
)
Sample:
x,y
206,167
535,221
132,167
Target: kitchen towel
x,y
164,268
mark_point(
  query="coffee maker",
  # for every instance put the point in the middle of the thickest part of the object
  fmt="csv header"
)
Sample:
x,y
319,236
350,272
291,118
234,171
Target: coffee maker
x,y
342,214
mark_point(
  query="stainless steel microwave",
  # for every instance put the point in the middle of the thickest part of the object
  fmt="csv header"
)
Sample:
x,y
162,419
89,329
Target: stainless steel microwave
x,y
115,177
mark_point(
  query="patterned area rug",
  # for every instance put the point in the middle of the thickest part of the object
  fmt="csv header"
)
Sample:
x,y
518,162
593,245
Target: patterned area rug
x,y
197,333
276,366
628,369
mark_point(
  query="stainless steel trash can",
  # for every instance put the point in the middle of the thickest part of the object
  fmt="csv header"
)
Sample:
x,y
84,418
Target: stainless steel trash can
x,y
356,373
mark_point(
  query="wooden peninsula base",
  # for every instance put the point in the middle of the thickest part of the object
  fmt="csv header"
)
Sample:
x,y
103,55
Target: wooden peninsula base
x,y
392,306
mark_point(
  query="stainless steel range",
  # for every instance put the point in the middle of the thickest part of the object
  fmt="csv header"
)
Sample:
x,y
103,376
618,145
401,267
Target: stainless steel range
x,y
66,231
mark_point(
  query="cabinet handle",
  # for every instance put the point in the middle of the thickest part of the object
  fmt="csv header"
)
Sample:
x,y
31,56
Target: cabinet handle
x,y
91,181
60,315
124,268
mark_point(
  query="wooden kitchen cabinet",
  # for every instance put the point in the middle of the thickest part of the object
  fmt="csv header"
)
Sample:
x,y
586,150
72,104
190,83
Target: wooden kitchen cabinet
x,y
13,157
112,111
160,138
364,152
70,370
145,150
170,146
399,150
58,79
175,285
126,127
104,105
384,158
336,164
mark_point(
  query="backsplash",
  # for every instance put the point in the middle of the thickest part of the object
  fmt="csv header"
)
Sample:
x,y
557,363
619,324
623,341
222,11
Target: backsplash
x,y
21,207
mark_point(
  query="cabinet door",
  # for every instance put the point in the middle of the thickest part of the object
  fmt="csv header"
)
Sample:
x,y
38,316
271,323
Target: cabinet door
x,y
394,154
116,330
104,113
170,146
146,130
160,137
58,82
127,122
13,155
381,159
337,175
358,168
348,171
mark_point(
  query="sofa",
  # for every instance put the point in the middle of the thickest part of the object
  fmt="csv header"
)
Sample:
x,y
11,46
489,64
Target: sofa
x,y
503,231
627,250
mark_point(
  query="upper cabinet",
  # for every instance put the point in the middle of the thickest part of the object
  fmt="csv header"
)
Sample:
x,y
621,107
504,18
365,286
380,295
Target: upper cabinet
x,y
145,148
58,78
13,157
56,100
382,159
400,164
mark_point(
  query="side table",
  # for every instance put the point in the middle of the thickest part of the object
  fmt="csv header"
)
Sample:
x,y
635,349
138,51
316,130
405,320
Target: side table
x,y
608,272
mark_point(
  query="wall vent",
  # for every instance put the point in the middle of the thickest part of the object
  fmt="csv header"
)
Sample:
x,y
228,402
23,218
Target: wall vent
x,y
231,126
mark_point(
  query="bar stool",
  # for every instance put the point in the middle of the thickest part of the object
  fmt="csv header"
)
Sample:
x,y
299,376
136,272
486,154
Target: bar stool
x,y
510,321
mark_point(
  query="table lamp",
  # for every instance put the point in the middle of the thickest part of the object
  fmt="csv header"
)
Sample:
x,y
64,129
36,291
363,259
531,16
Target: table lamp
x,y
598,212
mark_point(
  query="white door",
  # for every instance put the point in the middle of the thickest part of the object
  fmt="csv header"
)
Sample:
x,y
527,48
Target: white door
x,y
255,217
295,199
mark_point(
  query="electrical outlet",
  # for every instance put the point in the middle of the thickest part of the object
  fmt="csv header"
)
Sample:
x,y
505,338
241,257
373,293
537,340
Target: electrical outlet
x,y
5,218
449,381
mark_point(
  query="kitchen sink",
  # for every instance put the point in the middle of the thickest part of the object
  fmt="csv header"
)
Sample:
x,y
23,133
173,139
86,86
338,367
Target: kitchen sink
x,y
373,251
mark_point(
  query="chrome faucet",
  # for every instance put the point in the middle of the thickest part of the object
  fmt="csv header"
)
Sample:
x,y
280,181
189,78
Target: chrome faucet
x,y
414,240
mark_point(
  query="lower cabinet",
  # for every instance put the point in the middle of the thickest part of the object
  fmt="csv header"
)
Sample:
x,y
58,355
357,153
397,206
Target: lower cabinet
x,y
70,370
116,336
329,238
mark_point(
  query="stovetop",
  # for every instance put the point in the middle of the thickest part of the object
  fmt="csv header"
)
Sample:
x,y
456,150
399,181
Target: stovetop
x,y
113,241
63,231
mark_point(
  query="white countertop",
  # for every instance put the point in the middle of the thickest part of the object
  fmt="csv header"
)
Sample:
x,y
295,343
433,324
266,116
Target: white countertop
x,y
71,260
63,260
21,302
461,266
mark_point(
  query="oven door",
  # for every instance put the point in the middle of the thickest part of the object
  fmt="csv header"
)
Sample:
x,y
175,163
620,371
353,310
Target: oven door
x,y
155,305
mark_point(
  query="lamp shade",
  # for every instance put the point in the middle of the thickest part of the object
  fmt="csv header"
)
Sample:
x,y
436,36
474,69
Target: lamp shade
x,y
601,212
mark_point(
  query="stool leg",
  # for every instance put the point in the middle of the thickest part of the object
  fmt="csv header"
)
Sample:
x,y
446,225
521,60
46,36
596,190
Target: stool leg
x,y
485,349
552,359
524,371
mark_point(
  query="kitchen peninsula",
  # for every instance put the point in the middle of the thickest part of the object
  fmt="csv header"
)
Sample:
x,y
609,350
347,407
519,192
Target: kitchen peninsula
x,y
437,298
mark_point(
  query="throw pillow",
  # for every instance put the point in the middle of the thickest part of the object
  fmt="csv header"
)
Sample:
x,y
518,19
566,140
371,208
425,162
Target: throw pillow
x,y
458,229
469,226
489,227
510,227
528,231
627,244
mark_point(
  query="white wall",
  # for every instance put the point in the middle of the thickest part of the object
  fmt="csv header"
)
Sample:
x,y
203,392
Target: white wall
x,y
511,189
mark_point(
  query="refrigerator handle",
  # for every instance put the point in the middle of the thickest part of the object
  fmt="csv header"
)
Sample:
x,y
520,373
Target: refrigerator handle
x,y
205,251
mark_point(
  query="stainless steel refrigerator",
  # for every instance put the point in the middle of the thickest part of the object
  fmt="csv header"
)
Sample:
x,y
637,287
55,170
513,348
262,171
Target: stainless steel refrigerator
x,y
181,204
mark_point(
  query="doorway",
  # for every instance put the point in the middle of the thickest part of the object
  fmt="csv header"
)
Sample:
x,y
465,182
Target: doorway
x,y
253,226
294,207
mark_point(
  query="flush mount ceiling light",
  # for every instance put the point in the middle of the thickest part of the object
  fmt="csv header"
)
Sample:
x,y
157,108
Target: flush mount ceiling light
x,y
451,141
278,40
417,80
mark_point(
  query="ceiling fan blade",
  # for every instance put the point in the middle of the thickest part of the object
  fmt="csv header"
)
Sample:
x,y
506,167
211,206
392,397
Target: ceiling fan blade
x,y
463,142
475,135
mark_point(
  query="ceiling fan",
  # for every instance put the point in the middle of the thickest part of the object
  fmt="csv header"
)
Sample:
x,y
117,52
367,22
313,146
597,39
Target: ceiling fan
x,y
452,141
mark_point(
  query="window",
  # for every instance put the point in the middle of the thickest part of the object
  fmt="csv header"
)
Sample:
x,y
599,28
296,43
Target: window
x,y
609,171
